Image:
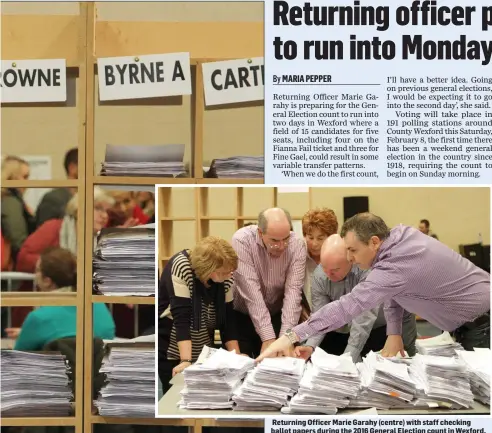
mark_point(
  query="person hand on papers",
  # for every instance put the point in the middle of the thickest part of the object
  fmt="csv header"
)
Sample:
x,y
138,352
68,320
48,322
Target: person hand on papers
x,y
12,332
266,344
393,345
304,352
281,346
180,367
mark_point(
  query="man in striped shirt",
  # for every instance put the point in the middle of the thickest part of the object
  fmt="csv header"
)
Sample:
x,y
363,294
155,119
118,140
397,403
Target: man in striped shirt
x,y
269,281
411,271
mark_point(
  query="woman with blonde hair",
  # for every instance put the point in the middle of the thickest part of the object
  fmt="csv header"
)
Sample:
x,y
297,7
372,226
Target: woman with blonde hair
x,y
17,220
195,298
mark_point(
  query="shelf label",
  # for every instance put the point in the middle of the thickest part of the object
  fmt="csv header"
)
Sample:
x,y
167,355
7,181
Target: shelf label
x,y
149,76
234,81
33,81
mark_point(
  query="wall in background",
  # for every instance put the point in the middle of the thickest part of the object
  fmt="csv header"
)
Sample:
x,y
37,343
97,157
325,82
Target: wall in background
x,y
457,215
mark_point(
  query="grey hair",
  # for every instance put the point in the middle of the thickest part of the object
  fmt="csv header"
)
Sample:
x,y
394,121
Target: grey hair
x,y
263,221
365,226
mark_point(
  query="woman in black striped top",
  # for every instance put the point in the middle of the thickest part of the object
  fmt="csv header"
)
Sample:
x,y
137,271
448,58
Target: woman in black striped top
x,y
195,298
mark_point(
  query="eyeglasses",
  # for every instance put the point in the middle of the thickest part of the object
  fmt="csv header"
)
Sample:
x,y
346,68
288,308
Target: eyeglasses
x,y
278,244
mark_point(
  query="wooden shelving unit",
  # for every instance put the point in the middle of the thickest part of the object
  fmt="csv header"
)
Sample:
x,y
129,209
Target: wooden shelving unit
x,y
80,40
27,37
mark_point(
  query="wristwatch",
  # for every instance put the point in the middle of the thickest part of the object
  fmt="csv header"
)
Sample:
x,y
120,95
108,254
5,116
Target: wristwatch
x,y
291,336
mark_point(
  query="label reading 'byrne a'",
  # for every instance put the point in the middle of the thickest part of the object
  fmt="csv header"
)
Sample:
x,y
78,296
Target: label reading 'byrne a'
x,y
234,81
33,81
149,76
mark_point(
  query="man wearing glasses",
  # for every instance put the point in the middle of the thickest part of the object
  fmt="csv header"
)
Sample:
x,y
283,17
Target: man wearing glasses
x,y
269,280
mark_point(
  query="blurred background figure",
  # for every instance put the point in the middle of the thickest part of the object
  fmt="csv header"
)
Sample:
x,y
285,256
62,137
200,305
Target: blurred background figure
x,y
54,203
424,227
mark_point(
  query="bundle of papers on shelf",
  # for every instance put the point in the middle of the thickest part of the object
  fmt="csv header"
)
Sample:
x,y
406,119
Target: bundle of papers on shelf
x,y
270,385
478,364
238,167
441,345
211,384
130,376
34,384
124,262
385,384
156,161
328,383
442,379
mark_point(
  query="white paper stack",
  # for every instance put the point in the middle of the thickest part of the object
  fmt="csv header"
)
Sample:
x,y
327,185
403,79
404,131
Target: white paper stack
x,y
210,385
478,363
124,262
384,384
443,380
270,385
130,381
441,345
156,161
238,167
34,384
328,383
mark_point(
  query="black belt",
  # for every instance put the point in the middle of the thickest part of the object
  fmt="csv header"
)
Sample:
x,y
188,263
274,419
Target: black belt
x,y
479,321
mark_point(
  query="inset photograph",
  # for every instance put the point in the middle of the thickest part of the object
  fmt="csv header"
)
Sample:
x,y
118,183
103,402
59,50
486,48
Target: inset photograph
x,y
322,300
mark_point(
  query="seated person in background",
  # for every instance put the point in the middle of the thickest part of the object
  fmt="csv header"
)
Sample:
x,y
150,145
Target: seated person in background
x,y
125,211
424,227
54,202
269,280
57,233
333,278
195,298
56,270
317,226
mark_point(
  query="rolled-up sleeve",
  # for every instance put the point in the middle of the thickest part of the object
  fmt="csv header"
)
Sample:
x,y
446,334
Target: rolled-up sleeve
x,y
380,286
294,285
247,284
393,313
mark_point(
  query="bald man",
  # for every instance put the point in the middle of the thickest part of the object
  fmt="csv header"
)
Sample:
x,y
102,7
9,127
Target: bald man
x,y
269,281
334,277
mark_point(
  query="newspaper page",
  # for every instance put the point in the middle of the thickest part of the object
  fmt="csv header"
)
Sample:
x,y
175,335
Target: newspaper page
x,y
378,93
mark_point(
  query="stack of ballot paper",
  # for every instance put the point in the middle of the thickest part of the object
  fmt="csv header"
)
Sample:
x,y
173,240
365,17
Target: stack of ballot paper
x,y
478,363
130,381
442,379
384,384
270,385
124,262
34,384
156,161
328,383
238,167
211,384
441,345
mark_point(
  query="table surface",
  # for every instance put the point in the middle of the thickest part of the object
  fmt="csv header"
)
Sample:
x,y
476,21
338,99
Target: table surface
x,y
168,406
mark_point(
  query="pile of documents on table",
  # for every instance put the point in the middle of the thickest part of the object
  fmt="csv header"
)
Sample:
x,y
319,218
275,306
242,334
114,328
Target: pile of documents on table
x,y
328,383
124,261
441,345
238,167
478,364
34,384
385,383
130,381
443,380
210,385
270,385
156,161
